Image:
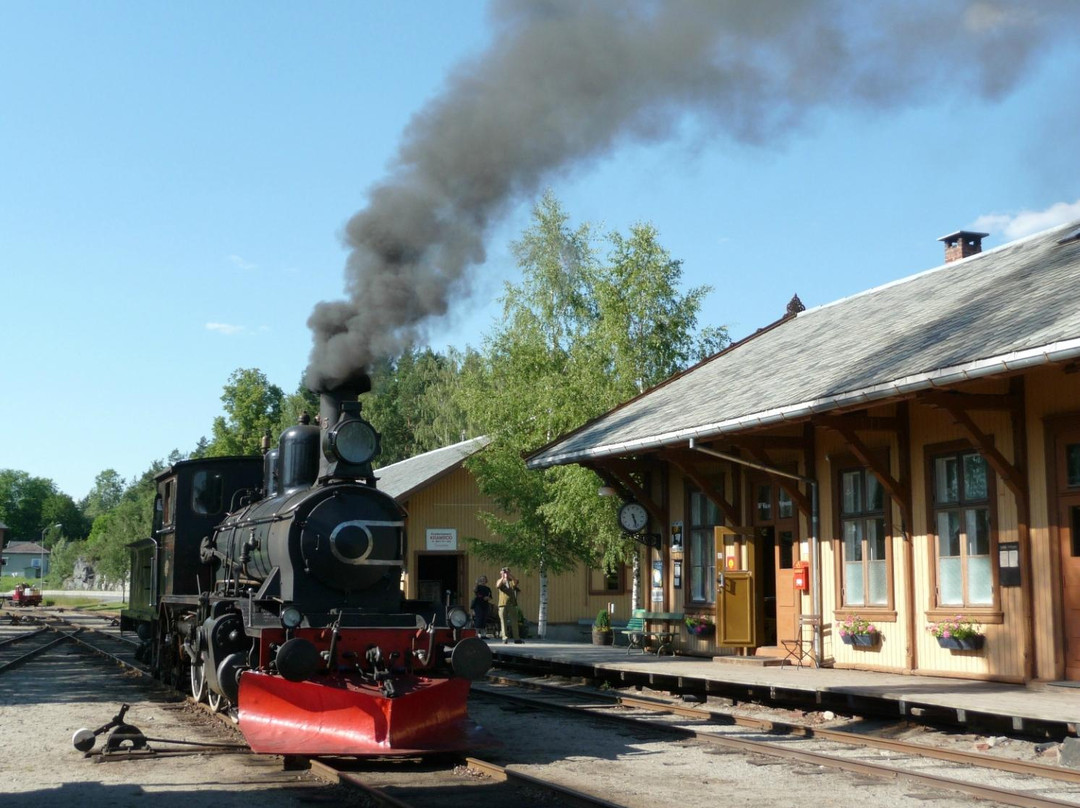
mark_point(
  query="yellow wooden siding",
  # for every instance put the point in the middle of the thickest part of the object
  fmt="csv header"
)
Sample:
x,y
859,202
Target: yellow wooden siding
x,y
891,652
1002,656
455,501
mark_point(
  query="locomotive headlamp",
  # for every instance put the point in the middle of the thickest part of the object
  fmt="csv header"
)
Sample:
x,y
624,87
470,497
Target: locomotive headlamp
x,y
457,617
291,617
354,441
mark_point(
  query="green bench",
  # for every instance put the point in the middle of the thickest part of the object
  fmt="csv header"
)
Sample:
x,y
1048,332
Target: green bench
x,y
639,634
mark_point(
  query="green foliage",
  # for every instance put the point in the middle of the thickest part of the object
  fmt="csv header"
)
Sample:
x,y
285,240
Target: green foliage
x,y
106,494
603,621
416,402
253,408
22,504
577,338
62,559
130,520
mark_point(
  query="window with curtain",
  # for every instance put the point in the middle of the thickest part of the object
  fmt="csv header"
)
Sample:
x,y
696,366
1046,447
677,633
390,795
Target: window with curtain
x,y
962,523
865,549
704,516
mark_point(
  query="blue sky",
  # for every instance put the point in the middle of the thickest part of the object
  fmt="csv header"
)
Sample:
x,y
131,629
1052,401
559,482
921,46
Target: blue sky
x,y
175,181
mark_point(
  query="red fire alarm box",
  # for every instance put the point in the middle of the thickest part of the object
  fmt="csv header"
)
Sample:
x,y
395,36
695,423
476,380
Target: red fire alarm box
x,y
801,575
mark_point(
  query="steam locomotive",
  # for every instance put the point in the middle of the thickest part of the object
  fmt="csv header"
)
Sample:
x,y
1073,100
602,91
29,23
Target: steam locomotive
x,y
273,586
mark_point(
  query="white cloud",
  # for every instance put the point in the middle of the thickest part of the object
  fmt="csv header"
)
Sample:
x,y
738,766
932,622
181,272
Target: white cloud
x,y
241,263
224,328
1028,221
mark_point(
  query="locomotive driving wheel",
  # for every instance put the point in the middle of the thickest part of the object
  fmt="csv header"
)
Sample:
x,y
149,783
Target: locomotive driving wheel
x,y
198,681
218,703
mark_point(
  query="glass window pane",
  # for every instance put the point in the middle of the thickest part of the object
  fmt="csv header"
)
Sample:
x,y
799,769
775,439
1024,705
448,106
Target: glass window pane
x,y
853,585
764,502
974,477
1072,464
875,539
853,546
697,516
977,527
948,526
712,513
851,492
946,480
207,492
784,504
980,581
950,581
787,549
879,583
875,494
1074,523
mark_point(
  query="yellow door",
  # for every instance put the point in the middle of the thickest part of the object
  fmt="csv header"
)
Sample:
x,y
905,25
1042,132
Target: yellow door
x,y
734,606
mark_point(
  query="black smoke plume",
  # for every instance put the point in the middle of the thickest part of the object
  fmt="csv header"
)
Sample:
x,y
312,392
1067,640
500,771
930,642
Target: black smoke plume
x,y
569,80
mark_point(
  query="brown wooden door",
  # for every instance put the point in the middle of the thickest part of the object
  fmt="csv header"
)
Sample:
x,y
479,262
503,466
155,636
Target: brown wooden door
x,y
1067,480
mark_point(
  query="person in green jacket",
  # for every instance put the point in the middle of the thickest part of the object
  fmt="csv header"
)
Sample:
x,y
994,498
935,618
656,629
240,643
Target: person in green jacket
x,y
508,605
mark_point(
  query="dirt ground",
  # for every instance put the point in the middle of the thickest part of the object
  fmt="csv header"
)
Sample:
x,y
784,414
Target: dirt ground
x,y
44,702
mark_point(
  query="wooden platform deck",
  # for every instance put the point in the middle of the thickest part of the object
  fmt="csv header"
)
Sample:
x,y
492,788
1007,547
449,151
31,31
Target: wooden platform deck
x,y
1045,709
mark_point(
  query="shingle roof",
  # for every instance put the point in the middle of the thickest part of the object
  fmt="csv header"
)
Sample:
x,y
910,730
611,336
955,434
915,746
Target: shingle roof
x,y
25,547
1007,308
400,480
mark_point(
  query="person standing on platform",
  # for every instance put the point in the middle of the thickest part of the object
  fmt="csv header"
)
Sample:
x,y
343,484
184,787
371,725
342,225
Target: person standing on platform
x,y
481,606
508,605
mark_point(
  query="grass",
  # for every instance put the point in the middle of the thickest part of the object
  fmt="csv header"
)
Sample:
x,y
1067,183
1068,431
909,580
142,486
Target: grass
x,y
86,603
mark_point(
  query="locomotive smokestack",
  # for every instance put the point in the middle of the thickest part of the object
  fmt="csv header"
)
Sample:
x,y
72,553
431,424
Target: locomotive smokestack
x,y
565,82
333,403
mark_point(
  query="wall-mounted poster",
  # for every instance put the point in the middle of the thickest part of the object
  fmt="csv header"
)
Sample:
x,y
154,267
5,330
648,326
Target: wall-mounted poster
x,y
676,574
658,582
676,537
442,538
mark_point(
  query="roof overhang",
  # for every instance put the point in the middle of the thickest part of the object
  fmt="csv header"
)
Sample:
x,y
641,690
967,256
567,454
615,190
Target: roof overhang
x,y
1053,353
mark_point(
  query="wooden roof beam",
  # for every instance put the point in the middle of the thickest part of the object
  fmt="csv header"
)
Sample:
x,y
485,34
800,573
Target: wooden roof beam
x,y
690,471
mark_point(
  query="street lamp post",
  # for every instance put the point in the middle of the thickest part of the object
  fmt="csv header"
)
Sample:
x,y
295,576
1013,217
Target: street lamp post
x,y
45,530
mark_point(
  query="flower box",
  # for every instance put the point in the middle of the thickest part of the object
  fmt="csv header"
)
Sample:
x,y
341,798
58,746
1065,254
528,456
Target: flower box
x,y
962,643
700,630
865,640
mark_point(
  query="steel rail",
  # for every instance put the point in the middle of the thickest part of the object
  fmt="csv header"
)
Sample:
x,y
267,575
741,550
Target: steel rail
x,y
886,772
565,794
7,666
20,637
979,759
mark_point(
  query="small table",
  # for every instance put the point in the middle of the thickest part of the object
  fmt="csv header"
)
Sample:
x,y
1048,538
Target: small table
x,y
666,634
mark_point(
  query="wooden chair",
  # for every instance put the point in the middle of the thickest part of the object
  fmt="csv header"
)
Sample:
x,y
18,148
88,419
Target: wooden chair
x,y
800,649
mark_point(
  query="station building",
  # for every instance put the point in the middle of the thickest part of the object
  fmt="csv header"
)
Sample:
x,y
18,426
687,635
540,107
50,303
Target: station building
x,y
903,457
443,503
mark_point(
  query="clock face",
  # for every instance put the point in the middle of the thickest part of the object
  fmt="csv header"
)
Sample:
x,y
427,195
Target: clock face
x,y
633,517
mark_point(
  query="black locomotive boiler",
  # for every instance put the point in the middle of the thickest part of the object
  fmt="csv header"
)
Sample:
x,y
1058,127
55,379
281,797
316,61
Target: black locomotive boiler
x,y
273,585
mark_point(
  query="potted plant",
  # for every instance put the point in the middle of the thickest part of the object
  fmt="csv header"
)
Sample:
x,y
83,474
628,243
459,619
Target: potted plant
x,y
699,625
859,631
601,630
958,634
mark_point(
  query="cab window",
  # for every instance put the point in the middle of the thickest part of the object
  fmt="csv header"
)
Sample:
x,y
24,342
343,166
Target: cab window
x,y
207,492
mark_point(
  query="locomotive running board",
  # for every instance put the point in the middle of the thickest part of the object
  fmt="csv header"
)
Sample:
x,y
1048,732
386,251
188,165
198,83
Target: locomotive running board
x,y
341,717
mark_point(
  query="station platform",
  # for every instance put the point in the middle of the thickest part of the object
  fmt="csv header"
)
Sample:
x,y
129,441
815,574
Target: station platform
x,y
1042,711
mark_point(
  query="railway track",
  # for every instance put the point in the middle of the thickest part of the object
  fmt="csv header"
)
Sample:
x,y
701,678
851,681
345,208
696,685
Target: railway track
x,y
990,777
796,749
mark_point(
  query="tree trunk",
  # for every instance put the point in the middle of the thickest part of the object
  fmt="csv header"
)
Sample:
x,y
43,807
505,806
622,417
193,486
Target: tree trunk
x,y
635,587
541,616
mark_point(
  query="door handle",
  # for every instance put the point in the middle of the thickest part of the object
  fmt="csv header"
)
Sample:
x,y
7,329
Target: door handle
x,y
720,580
